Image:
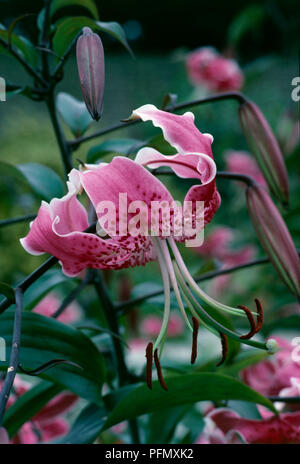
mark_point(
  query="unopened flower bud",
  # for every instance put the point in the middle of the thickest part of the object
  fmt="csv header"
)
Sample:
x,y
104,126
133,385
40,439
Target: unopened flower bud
x,y
265,148
91,69
274,236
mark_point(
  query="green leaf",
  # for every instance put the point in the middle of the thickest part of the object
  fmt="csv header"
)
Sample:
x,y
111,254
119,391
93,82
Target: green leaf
x,y
115,30
159,143
86,427
88,4
67,30
124,146
42,179
183,389
74,113
162,424
21,45
29,404
249,19
7,291
44,339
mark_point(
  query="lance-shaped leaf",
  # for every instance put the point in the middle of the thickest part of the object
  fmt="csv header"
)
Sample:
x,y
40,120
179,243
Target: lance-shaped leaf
x,y
74,113
90,62
265,148
274,236
44,339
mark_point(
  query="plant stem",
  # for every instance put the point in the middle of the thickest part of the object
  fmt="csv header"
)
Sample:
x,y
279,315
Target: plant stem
x,y
112,320
72,296
64,149
24,63
74,144
236,176
8,222
14,355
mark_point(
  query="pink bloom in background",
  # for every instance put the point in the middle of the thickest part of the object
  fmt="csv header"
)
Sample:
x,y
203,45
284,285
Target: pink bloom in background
x,y
243,163
151,326
48,423
278,375
224,426
217,246
206,67
50,304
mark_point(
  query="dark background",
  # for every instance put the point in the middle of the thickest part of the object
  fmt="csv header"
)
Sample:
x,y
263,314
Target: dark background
x,y
273,25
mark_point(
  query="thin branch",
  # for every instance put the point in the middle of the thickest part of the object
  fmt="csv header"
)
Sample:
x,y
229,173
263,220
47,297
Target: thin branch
x,y
111,317
62,143
8,222
236,176
14,355
285,399
64,58
24,63
72,296
74,144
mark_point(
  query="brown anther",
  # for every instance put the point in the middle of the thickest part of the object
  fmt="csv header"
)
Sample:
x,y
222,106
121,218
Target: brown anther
x,y
253,328
260,315
195,339
159,371
149,357
224,342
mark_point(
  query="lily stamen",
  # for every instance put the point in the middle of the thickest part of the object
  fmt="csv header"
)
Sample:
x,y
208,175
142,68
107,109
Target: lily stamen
x,y
260,315
195,339
224,342
253,325
149,357
159,371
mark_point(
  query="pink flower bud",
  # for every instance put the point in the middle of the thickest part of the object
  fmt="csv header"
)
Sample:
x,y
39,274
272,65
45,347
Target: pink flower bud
x,y
90,62
265,148
274,236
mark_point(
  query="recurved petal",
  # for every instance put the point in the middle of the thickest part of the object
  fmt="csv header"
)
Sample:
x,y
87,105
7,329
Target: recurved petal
x,y
179,130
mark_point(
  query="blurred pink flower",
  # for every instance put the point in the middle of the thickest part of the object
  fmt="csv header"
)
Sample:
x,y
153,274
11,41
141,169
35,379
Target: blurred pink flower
x,y
273,376
206,67
48,423
243,163
217,245
224,426
50,304
151,326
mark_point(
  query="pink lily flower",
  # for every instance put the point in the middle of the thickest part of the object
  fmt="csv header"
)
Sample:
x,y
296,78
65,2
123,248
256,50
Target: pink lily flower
x,y
276,376
58,228
224,426
48,423
206,67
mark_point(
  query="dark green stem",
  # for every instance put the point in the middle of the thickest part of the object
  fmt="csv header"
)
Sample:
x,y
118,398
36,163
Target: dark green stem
x,y
112,320
64,149
14,355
